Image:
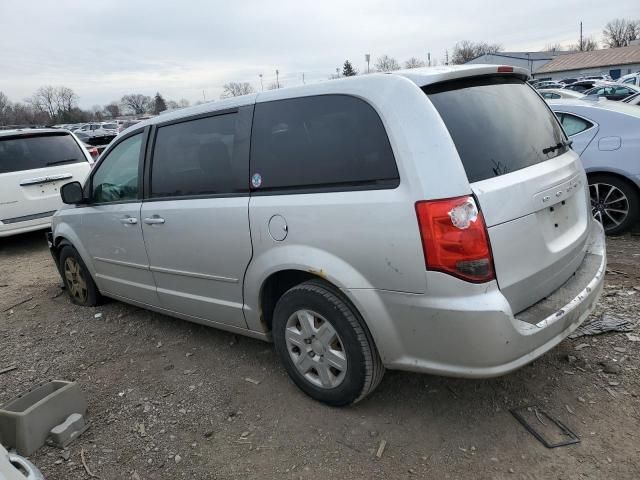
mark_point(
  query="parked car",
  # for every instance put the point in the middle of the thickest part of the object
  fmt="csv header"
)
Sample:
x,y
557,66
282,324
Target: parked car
x,y
16,467
555,93
34,164
568,81
583,85
612,92
547,84
98,129
630,79
632,99
372,222
96,144
607,136
604,78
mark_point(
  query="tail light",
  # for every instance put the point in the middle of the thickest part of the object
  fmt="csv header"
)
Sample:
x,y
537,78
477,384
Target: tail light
x,y
455,239
93,151
505,69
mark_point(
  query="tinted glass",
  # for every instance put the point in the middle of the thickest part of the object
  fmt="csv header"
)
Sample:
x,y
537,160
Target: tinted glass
x,y
318,142
197,157
110,126
41,151
116,179
498,124
573,125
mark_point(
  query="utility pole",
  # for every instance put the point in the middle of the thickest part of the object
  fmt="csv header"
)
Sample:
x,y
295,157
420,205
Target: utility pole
x,y
581,44
277,78
446,57
337,72
429,58
261,85
367,58
303,78
204,98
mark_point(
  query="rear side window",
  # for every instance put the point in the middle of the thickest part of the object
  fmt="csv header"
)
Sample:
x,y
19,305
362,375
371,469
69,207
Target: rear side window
x,y
572,124
498,124
199,157
38,151
327,141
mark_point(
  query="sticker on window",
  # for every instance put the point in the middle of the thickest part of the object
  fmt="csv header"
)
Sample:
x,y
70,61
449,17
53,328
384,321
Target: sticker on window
x,y
256,180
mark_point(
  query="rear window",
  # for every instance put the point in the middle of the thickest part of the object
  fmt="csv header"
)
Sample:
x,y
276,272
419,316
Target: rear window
x,y
38,151
320,142
498,124
110,126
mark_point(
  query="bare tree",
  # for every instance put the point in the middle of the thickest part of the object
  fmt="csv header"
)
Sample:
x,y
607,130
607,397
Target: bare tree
x,y
385,63
5,108
98,112
66,100
466,50
414,62
588,44
136,102
183,103
275,86
44,100
553,47
619,32
235,89
113,110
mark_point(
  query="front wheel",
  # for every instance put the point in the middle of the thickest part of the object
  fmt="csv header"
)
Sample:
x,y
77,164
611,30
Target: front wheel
x,y
614,203
324,345
77,280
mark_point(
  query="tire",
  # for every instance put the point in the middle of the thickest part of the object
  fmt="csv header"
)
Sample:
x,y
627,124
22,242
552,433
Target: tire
x,y
77,280
610,196
324,346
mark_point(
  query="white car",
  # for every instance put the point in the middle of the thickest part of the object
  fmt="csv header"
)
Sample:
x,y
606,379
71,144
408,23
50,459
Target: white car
x,y
630,79
556,93
98,129
34,164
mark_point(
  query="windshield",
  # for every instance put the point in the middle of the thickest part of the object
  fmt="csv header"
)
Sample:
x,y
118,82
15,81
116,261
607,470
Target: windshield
x,y
39,151
498,124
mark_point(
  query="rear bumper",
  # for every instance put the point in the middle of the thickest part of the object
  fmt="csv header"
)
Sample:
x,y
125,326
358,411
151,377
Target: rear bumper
x,y
468,330
8,229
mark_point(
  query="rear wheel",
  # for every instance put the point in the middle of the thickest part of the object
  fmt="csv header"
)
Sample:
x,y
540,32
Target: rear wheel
x,y
324,345
80,286
614,203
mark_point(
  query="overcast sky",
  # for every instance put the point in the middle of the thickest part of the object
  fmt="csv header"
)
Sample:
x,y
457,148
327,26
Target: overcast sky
x,y
103,49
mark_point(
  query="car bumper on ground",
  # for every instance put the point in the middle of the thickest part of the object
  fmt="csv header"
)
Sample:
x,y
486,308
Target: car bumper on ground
x,y
476,335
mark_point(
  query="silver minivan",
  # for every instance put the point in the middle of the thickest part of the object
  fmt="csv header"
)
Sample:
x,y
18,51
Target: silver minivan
x,y
433,220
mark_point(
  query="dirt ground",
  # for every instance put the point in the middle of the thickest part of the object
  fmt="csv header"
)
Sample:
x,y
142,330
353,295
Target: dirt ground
x,y
169,399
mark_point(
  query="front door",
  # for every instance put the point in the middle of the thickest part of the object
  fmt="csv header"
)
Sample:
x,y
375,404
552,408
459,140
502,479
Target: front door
x,y
110,229
195,218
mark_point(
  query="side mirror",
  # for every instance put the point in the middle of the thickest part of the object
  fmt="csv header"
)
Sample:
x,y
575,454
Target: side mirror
x,y
71,193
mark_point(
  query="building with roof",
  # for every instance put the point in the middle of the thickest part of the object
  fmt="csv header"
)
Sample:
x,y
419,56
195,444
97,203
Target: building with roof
x,y
611,61
532,61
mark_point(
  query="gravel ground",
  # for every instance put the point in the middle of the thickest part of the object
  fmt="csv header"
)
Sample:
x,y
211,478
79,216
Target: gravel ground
x,y
169,399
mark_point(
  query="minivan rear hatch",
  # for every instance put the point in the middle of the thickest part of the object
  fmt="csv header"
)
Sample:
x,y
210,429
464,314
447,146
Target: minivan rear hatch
x,y
33,167
530,185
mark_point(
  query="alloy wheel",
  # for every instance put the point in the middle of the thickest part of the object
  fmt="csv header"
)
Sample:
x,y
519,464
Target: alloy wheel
x,y
316,349
75,281
609,204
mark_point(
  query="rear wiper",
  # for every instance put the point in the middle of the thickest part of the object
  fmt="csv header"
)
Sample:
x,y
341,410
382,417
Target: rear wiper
x,y
557,146
68,160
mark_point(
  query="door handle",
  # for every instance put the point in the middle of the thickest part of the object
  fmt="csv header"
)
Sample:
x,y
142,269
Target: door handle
x,y
128,220
155,220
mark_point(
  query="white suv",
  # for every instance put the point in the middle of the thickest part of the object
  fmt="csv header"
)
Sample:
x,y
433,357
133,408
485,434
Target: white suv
x,y
34,164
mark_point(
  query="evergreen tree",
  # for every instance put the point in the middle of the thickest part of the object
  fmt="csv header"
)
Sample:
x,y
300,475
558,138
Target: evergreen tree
x,y
159,105
348,70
